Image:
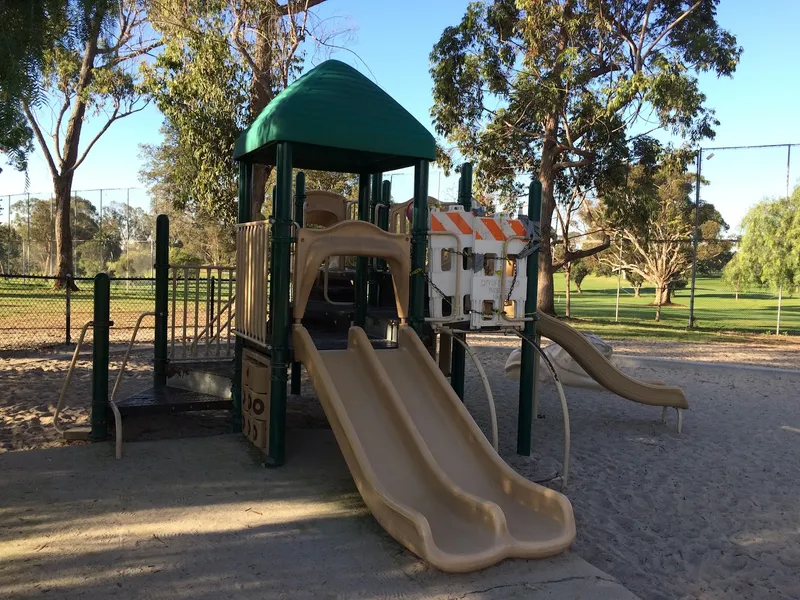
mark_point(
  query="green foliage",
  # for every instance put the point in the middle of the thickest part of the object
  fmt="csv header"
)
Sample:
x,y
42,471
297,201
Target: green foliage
x,y
201,88
769,253
658,249
516,77
27,31
579,270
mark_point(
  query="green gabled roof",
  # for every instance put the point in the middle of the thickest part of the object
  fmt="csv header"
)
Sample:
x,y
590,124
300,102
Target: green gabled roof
x,y
337,120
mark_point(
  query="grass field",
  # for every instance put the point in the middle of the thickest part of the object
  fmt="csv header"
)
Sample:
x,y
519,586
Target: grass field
x,y
717,311
32,314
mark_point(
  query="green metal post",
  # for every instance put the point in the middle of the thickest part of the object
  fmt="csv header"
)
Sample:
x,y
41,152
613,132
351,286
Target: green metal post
x,y
459,354
101,325
161,267
465,189
299,205
281,250
419,246
527,381
362,262
374,200
244,209
382,219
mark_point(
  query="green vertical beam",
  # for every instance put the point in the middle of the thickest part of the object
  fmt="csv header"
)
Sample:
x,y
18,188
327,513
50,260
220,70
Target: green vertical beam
x,y
527,381
419,246
459,353
161,268
244,209
101,325
382,219
362,262
281,252
465,189
374,200
299,207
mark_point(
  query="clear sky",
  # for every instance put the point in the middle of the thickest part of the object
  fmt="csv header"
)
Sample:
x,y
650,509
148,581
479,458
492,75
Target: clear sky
x,y
392,42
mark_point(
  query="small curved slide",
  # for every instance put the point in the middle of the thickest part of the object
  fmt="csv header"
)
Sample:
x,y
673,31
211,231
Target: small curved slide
x,y
603,372
422,465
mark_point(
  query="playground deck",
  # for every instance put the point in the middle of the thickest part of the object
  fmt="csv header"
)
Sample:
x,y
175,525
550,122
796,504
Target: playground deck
x,y
76,523
170,399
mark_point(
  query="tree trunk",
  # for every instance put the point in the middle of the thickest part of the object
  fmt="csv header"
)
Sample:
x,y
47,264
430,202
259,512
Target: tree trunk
x,y
62,185
546,302
663,294
636,291
568,295
578,288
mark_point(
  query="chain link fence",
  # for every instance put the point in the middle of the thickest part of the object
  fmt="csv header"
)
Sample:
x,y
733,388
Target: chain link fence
x,y
38,311
112,231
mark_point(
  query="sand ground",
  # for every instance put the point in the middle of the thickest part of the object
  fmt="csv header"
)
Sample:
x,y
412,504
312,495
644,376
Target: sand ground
x,y
711,513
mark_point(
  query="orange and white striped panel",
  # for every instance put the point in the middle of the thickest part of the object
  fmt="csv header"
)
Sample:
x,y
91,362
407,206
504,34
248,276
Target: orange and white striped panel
x,y
452,222
488,228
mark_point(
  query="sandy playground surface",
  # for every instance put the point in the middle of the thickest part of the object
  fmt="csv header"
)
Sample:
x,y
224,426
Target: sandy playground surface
x,y
711,513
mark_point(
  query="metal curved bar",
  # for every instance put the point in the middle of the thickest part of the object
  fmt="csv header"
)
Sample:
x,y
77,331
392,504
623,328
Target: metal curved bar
x,y
564,407
62,396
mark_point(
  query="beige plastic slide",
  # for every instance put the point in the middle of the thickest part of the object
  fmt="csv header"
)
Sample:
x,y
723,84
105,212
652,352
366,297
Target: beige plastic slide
x,y
422,465
603,372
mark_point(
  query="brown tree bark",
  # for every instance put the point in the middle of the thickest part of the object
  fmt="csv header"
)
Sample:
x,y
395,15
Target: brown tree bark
x,y
62,186
568,295
546,301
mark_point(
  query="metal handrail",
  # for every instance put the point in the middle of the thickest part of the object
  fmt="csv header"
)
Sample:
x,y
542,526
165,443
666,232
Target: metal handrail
x,y
65,387
114,409
227,307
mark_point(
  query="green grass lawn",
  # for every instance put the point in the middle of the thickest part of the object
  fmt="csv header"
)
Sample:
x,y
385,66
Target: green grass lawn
x,y
719,315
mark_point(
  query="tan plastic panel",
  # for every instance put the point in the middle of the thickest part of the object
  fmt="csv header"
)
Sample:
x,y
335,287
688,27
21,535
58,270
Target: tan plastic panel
x,y
603,372
350,238
324,209
422,465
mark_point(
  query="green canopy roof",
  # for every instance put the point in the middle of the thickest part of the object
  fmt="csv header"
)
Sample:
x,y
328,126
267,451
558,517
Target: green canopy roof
x,y
337,120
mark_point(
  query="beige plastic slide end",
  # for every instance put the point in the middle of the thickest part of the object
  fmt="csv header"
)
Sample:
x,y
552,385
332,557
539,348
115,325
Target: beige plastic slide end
x,y
605,373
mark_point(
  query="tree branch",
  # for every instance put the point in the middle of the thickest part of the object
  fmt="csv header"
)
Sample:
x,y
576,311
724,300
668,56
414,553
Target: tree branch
x,y
40,138
670,28
295,6
572,256
115,116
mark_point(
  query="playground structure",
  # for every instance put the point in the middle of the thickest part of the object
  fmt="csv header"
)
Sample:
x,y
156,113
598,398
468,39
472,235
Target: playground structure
x,y
378,335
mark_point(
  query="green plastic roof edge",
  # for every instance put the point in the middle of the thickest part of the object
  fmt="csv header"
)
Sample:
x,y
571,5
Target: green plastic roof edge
x,y
334,107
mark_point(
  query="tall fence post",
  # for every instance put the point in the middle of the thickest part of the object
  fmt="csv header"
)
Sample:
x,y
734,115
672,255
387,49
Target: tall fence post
x,y
101,325
68,310
162,300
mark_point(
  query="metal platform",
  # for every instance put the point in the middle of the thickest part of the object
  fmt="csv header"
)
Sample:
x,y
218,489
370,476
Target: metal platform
x,y
159,400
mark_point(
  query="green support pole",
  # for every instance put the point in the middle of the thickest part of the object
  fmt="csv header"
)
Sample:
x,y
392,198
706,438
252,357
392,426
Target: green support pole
x,y
419,246
299,205
281,251
465,189
374,200
459,353
362,262
244,209
101,325
382,219
527,381
162,301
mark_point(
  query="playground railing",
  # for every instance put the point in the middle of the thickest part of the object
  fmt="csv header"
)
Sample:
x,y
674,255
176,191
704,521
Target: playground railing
x,y
201,312
252,287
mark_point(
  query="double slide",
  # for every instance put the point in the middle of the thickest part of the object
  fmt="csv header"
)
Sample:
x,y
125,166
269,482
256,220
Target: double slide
x,y
422,465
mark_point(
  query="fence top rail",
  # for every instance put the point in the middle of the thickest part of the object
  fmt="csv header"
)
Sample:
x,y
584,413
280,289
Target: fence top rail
x,y
203,267
263,223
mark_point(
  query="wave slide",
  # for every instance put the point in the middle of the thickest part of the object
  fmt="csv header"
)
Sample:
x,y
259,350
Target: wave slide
x,y
420,462
603,372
